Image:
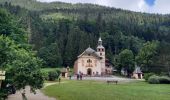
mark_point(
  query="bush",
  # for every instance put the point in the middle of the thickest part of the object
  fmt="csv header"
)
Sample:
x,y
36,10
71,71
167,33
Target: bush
x,y
164,80
53,75
3,94
159,79
45,75
147,75
153,79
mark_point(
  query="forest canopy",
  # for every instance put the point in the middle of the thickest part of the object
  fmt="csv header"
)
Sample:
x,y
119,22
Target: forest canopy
x,y
59,32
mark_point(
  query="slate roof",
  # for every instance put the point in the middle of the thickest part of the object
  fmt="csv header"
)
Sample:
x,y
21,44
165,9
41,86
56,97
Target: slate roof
x,y
90,51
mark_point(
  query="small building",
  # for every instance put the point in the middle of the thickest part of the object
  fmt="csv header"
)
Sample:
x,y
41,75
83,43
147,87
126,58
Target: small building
x,y
137,74
109,67
65,72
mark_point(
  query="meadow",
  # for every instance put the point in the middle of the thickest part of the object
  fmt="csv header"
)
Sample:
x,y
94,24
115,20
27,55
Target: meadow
x,y
93,90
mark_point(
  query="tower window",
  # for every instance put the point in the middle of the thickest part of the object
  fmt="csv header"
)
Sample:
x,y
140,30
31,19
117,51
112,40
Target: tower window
x,y
100,54
102,49
99,49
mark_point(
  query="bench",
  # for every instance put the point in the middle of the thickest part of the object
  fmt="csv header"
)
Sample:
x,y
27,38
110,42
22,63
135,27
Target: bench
x,y
112,81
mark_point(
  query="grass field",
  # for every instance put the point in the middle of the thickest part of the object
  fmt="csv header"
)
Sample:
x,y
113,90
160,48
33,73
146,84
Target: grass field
x,y
49,69
92,90
54,69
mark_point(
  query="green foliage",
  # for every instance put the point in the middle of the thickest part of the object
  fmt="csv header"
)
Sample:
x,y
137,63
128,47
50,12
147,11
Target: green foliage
x,y
72,27
3,94
46,71
146,54
54,16
159,79
16,58
164,80
153,79
147,75
126,60
51,55
6,46
53,75
9,27
21,66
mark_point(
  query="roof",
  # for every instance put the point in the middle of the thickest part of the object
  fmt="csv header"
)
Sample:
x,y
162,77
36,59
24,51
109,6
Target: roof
x,y
90,51
64,70
137,70
100,39
100,46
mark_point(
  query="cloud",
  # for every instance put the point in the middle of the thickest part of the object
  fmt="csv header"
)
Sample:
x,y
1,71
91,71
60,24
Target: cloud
x,y
159,6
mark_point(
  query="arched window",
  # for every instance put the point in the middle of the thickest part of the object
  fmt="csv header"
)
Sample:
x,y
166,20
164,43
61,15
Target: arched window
x,y
89,61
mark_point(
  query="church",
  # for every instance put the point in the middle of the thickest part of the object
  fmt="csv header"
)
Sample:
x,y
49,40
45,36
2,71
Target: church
x,y
92,63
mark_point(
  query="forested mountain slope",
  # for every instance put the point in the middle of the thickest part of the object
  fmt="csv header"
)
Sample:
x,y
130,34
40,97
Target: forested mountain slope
x,y
61,31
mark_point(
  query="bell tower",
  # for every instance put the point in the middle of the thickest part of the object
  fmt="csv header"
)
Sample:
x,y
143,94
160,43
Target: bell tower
x,y
101,53
101,49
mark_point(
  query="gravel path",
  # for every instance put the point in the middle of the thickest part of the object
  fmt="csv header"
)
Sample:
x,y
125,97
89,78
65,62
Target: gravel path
x,y
119,79
30,96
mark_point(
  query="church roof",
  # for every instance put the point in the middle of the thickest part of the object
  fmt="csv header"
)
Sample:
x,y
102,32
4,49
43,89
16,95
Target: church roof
x,y
90,51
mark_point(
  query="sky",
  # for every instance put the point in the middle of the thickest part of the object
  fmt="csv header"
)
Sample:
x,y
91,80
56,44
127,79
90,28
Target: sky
x,y
149,6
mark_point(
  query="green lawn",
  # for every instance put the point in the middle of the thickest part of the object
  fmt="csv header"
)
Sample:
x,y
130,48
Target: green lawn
x,y
91,90
53,69
49,69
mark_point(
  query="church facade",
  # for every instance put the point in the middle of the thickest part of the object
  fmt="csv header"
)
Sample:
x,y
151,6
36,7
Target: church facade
x,y
92,62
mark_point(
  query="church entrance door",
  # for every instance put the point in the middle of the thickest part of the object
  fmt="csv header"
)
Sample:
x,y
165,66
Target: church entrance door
x,y
89,71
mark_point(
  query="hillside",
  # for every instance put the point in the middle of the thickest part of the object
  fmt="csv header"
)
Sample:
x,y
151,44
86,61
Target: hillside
x,y
37,6
61,31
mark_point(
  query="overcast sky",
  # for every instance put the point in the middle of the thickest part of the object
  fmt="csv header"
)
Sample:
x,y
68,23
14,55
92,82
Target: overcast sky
x,y
150,6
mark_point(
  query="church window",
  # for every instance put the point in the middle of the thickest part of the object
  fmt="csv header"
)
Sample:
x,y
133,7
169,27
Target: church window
x,y
98,49
89,61
100,54
102,49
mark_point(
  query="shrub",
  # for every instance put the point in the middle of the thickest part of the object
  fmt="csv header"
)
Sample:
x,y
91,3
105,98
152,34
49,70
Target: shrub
x,y
45,75
159,79
3,94
147,75
153,79
52,75
164,80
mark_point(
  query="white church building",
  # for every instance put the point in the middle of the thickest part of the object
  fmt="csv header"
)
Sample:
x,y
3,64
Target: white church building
x,y
92,62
